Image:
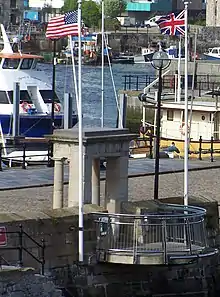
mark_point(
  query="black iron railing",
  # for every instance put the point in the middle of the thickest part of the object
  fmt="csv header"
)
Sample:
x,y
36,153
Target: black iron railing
x,y
201,83
25,159
21,248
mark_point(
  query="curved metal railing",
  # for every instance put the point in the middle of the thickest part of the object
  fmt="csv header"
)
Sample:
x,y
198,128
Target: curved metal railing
x,y
170,230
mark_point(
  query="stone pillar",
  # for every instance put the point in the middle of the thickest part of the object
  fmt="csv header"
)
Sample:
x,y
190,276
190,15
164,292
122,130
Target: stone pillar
x,y
73,195
211,11
96,181
58,183
116,188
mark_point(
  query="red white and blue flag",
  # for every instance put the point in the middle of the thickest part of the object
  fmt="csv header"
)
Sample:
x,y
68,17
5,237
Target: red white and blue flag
x,y
172,24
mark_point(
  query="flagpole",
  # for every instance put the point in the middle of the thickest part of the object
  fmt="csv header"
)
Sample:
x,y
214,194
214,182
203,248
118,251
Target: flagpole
x,y
81,248
186,143
74,72
53,85
102,99
179,73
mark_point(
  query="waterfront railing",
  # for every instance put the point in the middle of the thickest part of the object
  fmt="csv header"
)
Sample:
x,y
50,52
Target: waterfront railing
x,y
201,82
172,231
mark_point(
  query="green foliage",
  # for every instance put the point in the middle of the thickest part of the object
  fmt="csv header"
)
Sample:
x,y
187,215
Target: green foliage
x,y
114,8
69,5
134,116
90,13
111,24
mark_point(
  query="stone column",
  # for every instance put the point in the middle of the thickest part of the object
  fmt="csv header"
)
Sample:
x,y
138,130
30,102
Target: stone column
x,y
58,183
96,181
116,187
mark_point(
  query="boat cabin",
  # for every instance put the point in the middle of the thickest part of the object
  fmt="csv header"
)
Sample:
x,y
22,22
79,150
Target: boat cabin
x,y
35,93
205,120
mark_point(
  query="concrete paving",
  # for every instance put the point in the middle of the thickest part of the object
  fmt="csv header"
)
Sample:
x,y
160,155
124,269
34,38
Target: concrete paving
x,y
17,178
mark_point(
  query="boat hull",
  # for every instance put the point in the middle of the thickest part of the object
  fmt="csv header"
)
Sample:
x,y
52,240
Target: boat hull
x,y
211,58
34,125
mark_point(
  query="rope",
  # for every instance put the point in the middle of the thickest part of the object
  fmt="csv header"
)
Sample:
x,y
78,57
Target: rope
x,y
113,84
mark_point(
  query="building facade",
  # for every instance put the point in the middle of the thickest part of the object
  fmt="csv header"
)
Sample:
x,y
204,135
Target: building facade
x,y
143,9
11,11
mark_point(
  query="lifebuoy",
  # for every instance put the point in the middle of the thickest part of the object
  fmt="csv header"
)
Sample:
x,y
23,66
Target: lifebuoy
x,y
182,128
57,107
25,106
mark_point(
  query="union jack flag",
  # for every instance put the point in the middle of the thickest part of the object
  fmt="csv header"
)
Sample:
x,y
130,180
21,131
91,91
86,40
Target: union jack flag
x,y
172,24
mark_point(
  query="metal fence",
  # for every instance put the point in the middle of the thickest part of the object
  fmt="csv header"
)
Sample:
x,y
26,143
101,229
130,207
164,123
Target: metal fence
x,y
201,83
172,231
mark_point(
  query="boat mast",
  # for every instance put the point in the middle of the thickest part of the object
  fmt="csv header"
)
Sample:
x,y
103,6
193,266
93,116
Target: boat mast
x,y
102,99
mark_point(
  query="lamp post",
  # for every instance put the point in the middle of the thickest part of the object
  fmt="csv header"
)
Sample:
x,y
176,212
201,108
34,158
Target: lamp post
x,y
160,61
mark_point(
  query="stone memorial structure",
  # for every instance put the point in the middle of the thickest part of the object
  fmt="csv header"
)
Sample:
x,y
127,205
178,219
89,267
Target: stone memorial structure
x,y
109,143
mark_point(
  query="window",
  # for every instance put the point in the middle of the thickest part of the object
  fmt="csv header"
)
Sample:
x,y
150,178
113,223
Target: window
x,y
3,98
34,64
170,115
11,63
24,96
26,64
47,95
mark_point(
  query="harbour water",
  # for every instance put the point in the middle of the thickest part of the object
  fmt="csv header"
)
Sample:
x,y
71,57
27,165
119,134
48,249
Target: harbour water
x,y
91,88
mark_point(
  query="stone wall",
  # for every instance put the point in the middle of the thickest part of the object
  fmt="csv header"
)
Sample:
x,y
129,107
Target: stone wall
x,y
59,229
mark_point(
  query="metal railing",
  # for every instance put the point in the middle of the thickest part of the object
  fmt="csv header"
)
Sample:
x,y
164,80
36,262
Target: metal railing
x,y
171,230
21,247
202,82
23,157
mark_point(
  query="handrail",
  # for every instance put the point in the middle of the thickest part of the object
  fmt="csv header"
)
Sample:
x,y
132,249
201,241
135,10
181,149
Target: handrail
x,y
163,234
20,247
155,81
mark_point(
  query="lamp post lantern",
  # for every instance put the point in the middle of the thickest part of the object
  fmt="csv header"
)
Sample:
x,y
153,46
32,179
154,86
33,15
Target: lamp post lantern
x,y
160,61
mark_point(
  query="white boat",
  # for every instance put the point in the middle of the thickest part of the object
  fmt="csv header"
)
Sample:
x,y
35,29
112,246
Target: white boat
x,y
147,54
36,93
212,54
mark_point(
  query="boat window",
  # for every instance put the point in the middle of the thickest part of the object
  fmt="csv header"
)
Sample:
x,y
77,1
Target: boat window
x,y
24,96
11,63
215,51
34,64
26,63
3,98
47,95
170,115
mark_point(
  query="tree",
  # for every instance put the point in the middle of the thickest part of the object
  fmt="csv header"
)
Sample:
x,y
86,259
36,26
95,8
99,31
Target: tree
x,y
114,8
69,5
90,13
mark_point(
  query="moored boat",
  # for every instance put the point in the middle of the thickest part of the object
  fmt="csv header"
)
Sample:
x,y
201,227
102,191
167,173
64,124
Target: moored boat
x,y
212,54
36,93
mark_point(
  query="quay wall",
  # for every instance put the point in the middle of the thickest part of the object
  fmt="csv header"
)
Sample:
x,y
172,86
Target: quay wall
x,y
59,228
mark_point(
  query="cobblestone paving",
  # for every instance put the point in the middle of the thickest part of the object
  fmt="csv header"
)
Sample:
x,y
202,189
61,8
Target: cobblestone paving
x,y
203,183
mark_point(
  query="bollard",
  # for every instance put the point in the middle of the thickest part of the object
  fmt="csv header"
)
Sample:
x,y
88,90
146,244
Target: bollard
x,y
24,157
200,148
211,150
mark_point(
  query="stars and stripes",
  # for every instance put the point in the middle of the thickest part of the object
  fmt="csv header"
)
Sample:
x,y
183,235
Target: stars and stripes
x,y
172,24
63,25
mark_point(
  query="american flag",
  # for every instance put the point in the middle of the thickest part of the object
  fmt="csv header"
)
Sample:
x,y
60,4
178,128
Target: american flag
x,y
172,24
63,25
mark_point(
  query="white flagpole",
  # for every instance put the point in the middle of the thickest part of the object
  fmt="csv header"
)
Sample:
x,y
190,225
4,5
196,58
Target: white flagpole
x,y
81,198
179,73
186,144
102,99
74,72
